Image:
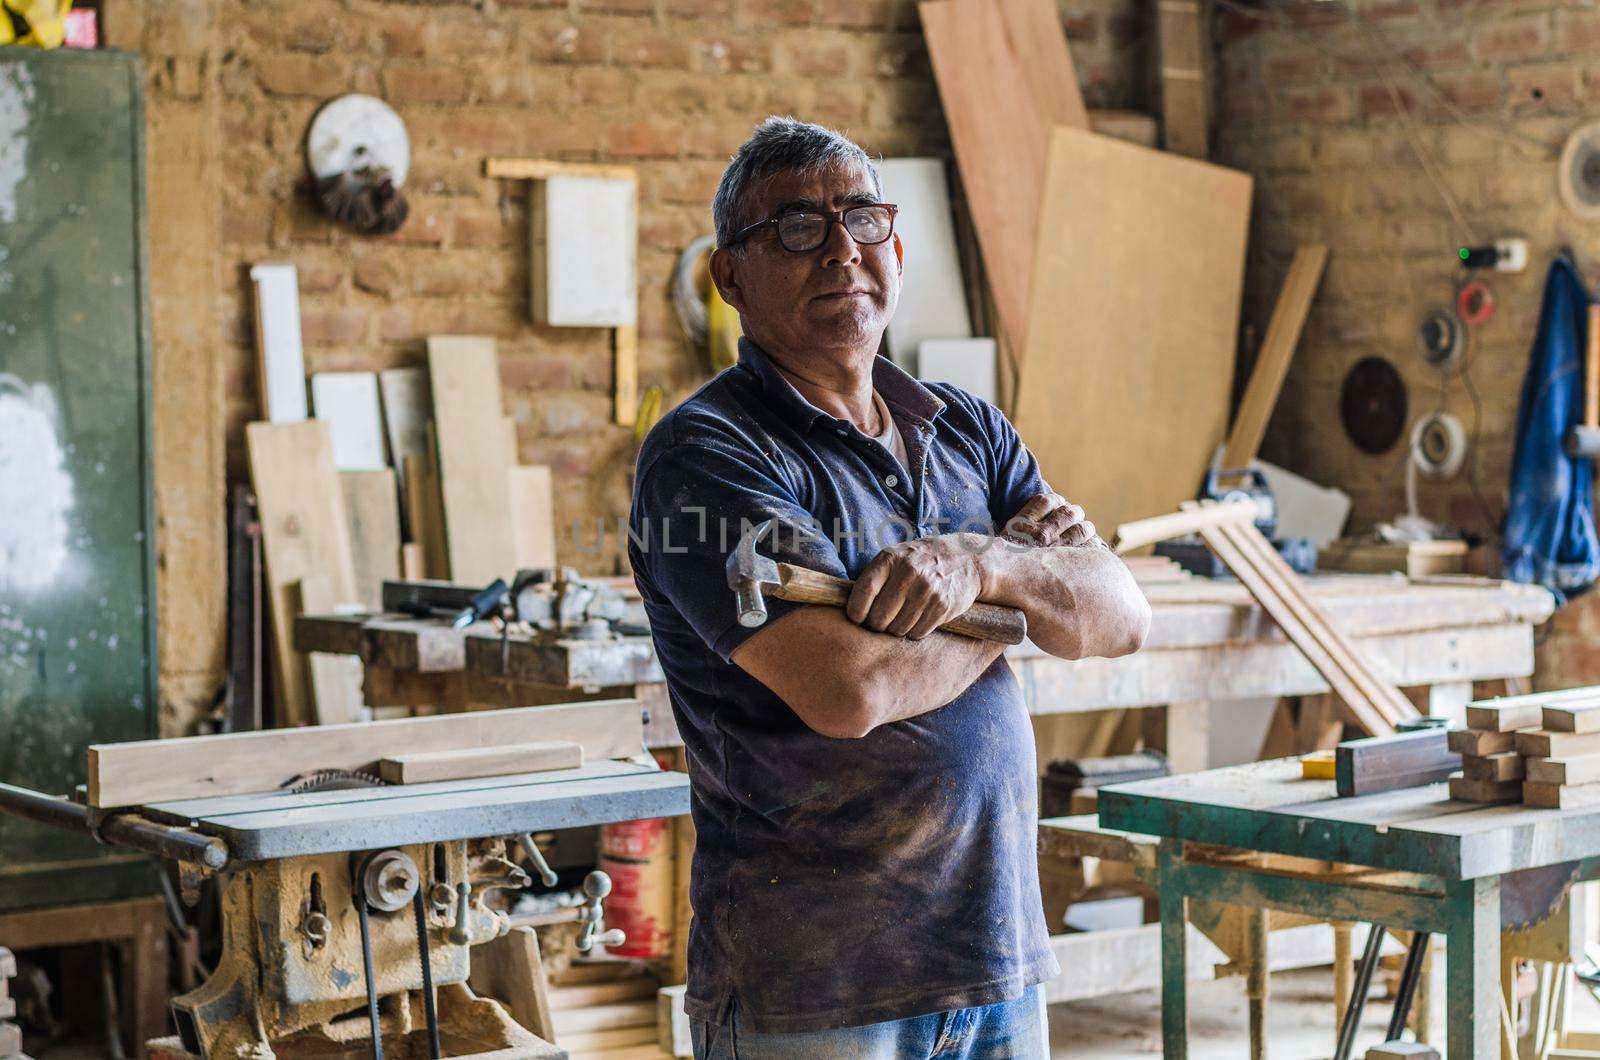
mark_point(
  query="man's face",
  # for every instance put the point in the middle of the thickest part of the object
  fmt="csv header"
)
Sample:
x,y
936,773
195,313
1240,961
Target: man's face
x,y
840,295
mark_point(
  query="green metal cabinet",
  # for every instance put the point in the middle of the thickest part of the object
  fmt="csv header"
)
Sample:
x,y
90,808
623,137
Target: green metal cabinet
x,y
77,571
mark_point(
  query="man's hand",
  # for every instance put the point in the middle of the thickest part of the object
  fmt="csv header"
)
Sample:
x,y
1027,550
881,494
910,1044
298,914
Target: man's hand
x,y
1048,519
912,588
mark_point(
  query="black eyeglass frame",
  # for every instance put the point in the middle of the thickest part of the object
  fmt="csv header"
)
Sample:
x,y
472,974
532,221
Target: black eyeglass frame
x,y
833,217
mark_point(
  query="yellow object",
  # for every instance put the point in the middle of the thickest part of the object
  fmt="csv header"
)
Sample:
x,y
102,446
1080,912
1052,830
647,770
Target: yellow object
x,y
722,331
1318,765
47,22
649,413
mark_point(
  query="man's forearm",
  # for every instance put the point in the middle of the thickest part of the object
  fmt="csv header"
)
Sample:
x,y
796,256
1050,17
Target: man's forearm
x,y
1081,601
844,680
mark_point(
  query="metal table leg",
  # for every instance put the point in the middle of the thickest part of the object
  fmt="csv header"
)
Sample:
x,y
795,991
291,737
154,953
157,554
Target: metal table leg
x,y
1257,978
1473,969
1174,953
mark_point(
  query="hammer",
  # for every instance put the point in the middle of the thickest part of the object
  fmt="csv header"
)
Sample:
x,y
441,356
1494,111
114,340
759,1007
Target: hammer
x,y
749,573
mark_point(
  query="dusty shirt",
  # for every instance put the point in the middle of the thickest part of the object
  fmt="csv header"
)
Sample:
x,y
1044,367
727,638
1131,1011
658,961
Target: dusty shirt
x,y
838,882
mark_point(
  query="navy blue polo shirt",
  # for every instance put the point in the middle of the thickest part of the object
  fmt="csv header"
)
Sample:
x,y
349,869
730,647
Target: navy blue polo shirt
x,y
838,882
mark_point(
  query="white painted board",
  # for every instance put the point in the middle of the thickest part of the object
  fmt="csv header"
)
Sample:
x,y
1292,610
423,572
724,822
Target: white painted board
x,y
967,363
1305,508
280,362
348,403
405,413
589,252
933,301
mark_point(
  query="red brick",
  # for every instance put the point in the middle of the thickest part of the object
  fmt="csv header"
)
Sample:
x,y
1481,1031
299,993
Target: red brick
x,y
1294,66
376,275
736,55
424,84
1509,41
1577,32
403,36
317,278
560,41
626,7
1468,92
669,229
1443,53
645,139
422,226
1545,85
809,59
394,325
331,327
246,227
482,228
295,74
1317,104
697,8
651,47
1379,101
688,182
601,86
777,12
857,14
539,372
1316,14
840,103
720,140
676,92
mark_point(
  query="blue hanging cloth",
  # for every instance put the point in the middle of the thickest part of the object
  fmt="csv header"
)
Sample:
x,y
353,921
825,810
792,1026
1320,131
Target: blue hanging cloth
x,y
1549,532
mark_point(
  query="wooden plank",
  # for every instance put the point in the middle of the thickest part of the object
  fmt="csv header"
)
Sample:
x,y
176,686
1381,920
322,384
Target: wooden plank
x,y
533,523
593,1041
1577,717
1468,790
1494,717
1277,350
1560,796
1584,769
584,995
625,376
334,681
148,771
348,403
1507,765
935,307
372,510
1542,743
1480,743
1185,92
425,515
303,533
465,375
605,1017
422,767
1388,763
1130,125
403,395
544,168
280,363
1176,524
1001,96
583,238
1121,324
508,969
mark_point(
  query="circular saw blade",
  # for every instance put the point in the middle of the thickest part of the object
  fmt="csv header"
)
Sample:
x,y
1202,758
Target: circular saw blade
x,y
329,780
1530,896
1372,405
1579,172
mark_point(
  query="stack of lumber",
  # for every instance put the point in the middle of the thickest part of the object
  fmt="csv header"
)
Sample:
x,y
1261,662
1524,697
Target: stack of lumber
x,y
1491,761
1562,768
607,1011
1414,559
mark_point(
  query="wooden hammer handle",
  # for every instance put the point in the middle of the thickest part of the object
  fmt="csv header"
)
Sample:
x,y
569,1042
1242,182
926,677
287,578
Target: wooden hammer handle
x,y
1006,625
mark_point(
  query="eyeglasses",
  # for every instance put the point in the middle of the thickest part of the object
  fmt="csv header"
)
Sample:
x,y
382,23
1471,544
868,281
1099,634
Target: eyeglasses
x,y
800,231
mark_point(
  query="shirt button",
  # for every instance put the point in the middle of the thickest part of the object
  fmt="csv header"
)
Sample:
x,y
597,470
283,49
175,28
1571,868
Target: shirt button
x,y
892,481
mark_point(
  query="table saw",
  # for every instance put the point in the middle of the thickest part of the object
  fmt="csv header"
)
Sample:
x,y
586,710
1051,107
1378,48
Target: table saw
x,y
350,908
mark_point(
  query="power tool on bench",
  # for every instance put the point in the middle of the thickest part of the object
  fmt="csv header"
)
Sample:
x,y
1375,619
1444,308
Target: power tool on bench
x,y
1251,485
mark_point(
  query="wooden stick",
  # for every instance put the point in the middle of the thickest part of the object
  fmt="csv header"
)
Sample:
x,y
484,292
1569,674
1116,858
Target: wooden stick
x,y
982,621
1191,520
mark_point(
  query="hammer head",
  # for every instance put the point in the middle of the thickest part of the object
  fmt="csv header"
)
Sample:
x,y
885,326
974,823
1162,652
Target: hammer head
x,y
748,571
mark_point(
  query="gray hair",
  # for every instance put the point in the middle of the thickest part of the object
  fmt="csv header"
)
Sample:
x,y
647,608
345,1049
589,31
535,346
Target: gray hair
x,y
780,145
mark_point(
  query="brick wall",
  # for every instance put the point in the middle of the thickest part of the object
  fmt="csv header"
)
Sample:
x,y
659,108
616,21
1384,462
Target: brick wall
x,y
671,86
1342,111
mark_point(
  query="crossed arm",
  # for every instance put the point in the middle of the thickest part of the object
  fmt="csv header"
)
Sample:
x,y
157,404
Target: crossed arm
x,y
882,659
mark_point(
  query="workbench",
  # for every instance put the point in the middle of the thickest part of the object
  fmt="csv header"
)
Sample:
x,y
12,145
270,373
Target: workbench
x,y
1411,859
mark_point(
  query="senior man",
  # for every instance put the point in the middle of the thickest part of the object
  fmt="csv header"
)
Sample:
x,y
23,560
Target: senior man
x,y
864,880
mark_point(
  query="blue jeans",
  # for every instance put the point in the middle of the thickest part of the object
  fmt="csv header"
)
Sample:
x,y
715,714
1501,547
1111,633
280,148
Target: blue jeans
x,y
1011,1030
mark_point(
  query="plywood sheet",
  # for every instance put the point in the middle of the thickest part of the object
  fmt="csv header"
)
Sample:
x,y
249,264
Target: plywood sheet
x,y
1005,79
1129,364
372,509
303,534
968,363
584,235
348,403
404,393
533,522
470,435
933,301
280,362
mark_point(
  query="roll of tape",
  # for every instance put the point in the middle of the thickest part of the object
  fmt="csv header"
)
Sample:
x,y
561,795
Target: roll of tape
x,y
1438,445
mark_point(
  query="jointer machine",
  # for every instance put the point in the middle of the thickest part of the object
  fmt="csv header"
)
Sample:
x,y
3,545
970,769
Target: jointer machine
x,y
351,906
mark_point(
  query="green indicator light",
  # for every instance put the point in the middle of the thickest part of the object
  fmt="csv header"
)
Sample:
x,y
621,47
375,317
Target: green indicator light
x,y
1464,253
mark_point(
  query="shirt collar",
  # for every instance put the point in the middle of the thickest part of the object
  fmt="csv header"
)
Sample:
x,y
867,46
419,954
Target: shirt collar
x,y
901,391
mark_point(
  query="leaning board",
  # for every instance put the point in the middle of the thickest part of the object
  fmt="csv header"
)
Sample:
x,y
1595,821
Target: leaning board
x,y
473,463
1128,366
